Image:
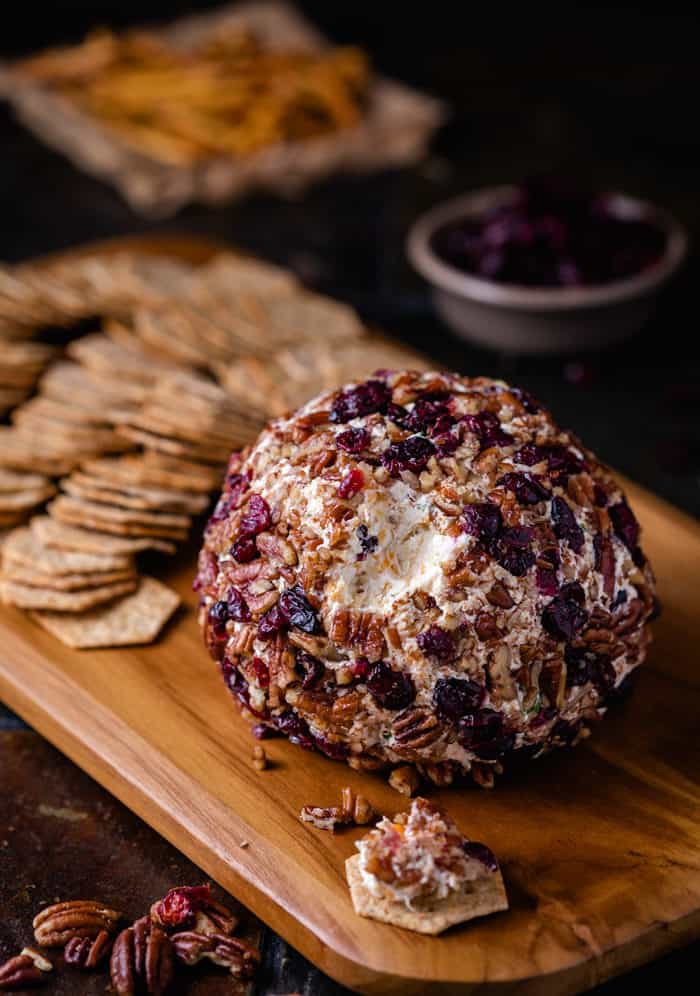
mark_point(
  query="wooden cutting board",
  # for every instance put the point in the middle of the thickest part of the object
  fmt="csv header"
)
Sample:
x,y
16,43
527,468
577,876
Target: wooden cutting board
x,y
600,846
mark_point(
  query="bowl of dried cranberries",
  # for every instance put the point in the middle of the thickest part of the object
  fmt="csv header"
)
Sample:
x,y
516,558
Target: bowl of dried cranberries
x,y
544,267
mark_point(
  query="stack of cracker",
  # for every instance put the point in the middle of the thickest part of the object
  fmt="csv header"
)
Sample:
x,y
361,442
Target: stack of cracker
x,y
135,422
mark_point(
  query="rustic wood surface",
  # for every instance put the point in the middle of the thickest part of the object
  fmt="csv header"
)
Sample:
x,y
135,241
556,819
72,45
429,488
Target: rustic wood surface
x,y
600,848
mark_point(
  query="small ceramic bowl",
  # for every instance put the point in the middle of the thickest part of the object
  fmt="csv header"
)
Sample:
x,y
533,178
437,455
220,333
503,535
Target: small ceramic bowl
x,y
543,320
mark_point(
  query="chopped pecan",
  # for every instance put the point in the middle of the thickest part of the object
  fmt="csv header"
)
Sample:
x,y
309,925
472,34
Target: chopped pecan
x,y
317,646
85,952
362,630
450,508
324,818
498,595
630,618
55,925
40,960
486,627
440,774
405,780
20,972
356,809
276,549
414,729
605,562
243,641
229,952
553,681
581,490
366,762
259,758
501,684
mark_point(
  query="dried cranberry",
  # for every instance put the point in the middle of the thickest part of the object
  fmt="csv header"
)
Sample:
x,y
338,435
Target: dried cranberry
x,y
487,428
218,617
353,440
397,413
425,414
257,517
261,671
599,496
481,853
262,731
361,668
331,748
221,511
244,550
619,599
482,733
312,667
562,463
365,399
237,606
603,674
512,551
565,615
368,543
180,906
208,568
453,698
295,728
351,484
271,623
526,488
297,610
565,525
625,524
236,486
447,442
546,574
579,662
410,454
390,689
437,642
530,454
483,520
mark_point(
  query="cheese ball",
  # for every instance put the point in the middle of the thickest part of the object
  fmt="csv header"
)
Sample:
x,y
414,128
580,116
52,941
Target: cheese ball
x,y
422,568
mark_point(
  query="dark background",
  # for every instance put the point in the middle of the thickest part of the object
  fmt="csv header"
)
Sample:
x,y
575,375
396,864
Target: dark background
x,y
602,93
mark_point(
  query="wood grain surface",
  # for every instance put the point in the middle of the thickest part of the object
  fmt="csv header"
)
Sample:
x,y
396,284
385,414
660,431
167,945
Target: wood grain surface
x,y
600,846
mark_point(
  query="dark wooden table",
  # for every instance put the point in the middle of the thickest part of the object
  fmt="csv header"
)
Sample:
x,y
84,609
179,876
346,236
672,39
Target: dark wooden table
x,y
607,96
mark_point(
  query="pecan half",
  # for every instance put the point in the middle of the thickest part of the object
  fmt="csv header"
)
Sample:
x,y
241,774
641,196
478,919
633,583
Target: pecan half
x,y
238,957
499,595
415,728
20,972
55,925
142,957
86,953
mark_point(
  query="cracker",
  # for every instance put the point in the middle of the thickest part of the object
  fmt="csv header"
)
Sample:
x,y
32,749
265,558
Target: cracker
x,y
69,434
130,496
63,536
61,411
140,470
24,547
229,275
15,480
484,895
136,618
99,352
26,597
215,435
111,513
62,582
180,448
28,498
